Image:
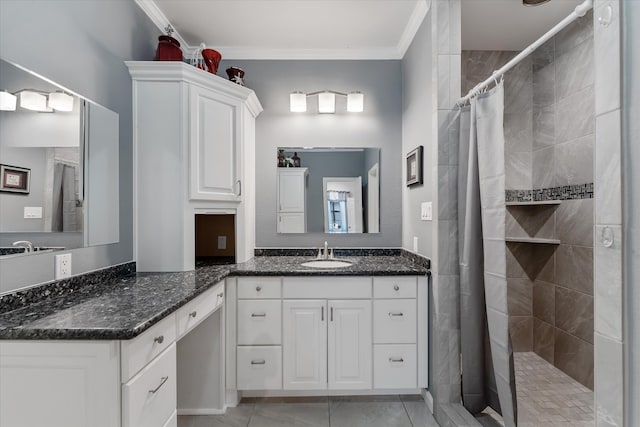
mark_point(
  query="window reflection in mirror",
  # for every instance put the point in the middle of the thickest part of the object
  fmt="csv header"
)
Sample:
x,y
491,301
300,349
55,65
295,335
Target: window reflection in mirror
x,y
49,161
338,193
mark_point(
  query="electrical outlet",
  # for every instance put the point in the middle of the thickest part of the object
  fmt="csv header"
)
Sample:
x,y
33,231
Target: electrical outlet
x,y
222,242
63,266
415,243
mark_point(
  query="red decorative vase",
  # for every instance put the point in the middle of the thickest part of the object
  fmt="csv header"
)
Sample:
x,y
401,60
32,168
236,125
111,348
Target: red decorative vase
x,y
168,49
236,75
211,59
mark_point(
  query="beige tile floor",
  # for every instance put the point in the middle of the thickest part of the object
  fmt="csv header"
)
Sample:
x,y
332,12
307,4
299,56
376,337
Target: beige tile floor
x,y
546,396
347,411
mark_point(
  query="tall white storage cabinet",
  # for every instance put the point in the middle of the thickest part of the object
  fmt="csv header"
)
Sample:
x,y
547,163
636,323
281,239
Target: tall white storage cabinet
x,y
292,200
194,152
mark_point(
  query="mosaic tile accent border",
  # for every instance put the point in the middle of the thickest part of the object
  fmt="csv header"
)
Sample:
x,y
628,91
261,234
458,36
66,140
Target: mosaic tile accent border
x,y
78,285
567,192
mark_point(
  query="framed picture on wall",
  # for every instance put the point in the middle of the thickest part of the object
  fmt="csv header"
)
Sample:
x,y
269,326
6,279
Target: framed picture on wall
x,y
414,166
14,179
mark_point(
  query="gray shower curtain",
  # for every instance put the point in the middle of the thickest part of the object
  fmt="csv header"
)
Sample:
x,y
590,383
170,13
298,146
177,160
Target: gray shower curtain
x,y
63,215
487,359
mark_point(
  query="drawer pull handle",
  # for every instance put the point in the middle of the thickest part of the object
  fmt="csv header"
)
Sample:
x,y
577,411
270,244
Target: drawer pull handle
x,y
322,314
221,294
193,314
258,314
396,288
332,314
258,288
159,339
162,381
396,360
258,362
391,314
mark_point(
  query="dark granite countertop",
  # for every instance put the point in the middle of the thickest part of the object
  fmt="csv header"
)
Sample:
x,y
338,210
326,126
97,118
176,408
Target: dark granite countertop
x,y
124,307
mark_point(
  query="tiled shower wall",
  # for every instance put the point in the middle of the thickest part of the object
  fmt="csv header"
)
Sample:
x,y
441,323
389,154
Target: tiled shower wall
x,y
549,133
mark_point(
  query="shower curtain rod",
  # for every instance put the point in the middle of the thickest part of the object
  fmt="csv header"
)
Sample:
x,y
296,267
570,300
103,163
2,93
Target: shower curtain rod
x,y
578,12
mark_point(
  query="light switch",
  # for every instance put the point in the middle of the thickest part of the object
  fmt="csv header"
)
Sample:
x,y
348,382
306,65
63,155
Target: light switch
x,y
32,212
426,211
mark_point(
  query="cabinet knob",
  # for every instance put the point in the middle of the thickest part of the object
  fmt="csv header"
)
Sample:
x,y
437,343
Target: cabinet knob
x,y
258,288
396,288
193,314
159,339
221,294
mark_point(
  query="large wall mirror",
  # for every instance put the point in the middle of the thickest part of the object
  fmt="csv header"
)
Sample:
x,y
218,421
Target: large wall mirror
x,y
59,184
328,190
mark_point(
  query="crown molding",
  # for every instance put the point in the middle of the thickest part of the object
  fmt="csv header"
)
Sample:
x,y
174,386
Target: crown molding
x,y
178,71
230,53
415,20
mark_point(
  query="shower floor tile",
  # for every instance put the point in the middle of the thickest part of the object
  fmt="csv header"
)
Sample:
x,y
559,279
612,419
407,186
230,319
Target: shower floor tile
x,y
546,396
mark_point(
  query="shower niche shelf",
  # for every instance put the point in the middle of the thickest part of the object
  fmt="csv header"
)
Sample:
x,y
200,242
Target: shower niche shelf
x,y
534,240
535,203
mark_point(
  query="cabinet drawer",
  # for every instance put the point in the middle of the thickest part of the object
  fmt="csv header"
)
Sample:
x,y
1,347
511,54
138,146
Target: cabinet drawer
x,y
394,321
394,366
149,398
259,322
394,287
199,308
259,368
326,287
139,351
259,287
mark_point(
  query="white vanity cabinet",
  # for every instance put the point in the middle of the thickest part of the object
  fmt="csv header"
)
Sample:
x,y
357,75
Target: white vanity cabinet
x,y
335,333
292,200
194,150
127,383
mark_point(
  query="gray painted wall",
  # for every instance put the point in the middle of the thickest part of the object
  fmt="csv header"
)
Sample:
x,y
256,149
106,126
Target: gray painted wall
x,y
379,126
80,45
417,130
631,198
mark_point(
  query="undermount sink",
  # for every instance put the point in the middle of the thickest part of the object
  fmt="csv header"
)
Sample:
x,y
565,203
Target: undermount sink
x,y
326,263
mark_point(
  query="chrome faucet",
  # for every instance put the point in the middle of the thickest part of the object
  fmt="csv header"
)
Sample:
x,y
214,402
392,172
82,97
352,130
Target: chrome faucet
x,y
325,254
27,245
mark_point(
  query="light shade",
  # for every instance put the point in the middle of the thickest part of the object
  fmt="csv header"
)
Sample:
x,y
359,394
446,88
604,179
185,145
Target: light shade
x,y
298,102
355,102
33,101
326,103
7,101
60,101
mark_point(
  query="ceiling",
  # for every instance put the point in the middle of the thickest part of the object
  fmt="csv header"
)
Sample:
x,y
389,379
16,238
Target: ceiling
x,y
507,24
343,29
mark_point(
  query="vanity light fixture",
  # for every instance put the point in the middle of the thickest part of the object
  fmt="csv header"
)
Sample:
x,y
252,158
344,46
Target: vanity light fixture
x,y
33,101
60,101
36,100
326,101
298,102
8,101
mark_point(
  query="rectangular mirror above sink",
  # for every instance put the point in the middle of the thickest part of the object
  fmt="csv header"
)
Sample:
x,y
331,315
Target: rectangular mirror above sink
x,y
328,190
59,184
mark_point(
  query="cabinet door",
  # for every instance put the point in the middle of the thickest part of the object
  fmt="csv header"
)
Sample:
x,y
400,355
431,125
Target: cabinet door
x,y
291,192
214,152
59,384
304,345
291,222
350,344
